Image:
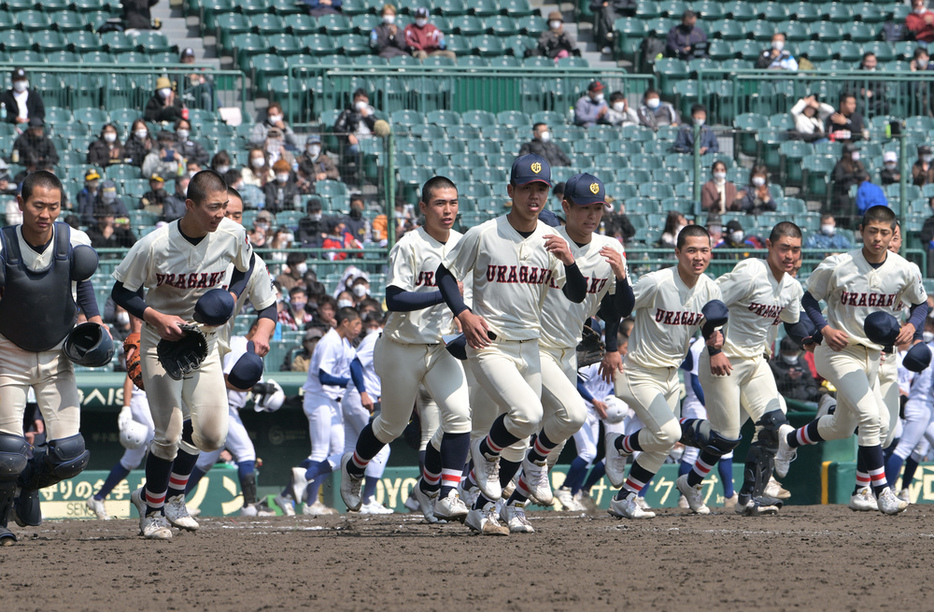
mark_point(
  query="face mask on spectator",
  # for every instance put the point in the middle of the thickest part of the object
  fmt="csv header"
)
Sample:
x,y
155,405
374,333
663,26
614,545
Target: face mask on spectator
x,y
275,118
359,105
927,158
313,150
316,216
927,336
854,156
360,290
758,181
141,134
20,86
737,236
920,10
272,146
223,169
108,196
123,318
344,304
110,137
653,103
598,98
719,176
891,165
828,230
619,106
283,177
778,45
545,136
165,91
389,19
257,162
301,267
790,359
700,122
421,22
183,133
298,306
554,24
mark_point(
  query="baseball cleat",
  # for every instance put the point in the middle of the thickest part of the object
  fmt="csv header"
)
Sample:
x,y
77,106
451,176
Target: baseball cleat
x,y
254,509
693,495
318,509
785,454
350,485
510,487
564,497
26,509
776,490
97,507
155,527
536,479
467,493
628,507
176,512
514,517
747,506
7,537
374,507
285,504
683,502
615,460
451,508
410,502
640,501
486,471
730,502
426,502
904,495
863,501
484,521
889,504
299,483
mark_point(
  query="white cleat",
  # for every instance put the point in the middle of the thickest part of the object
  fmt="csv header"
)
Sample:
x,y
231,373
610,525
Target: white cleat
x,y
285,504
536,478
468,494
350,485
426,502
889,503
374,507
564,497
628,507
97,507
451,508
693,495
514,517
683,503
785,454
299,483
752,508
615,460
410,502
486,471
640,501
863,501
155,527
254,509
730,502
776,490
176,512
318,509
904,495
485,522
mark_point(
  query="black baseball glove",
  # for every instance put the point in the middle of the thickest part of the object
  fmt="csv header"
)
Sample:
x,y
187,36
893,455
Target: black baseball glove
x,y
183,356
591,348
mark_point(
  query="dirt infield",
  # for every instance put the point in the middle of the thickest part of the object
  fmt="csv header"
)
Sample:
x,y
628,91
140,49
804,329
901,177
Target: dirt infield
x,y
809,557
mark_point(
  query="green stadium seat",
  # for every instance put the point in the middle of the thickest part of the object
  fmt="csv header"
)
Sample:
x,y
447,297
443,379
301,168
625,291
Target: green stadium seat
x,y
28,56
659,27
740,11
64,57
49,40
478,118
826,31
246,46
838,12
795,33
299,25
885,51
815,51
648,10
512,118
443,118
870,13
407,118
349,44
517,8
92,117
364,24
355,7
149,41
88,6
762,30
817,170
709,10
287,7
370,61
573,62
805,12
117,42
254,7
264,66
284,44
720,50
487,46
229,25
268,24
98,18
15,40
860,32
669,71
401,61
132,58
438,61
750,124
532,25
336,25
500,25
775,12
748,50
847,51
451,8
464,132
727,29
33,21
484,8
550,117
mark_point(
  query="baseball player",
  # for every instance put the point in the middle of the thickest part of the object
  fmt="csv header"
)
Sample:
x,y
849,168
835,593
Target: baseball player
x,y
855,284
179,265
44,272
411,352
889,364
512,261
917,411
601,260
670,305
759,294
328,376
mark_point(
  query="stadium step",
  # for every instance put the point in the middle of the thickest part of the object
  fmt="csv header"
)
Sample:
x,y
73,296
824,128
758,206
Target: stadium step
x,y
183,32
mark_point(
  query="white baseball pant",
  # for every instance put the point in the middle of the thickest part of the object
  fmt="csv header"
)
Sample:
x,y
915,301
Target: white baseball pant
x,y
653,394
355,418
511,374
139,409
238,443
564,410
325,428
888,388
916,421
750,388
854,371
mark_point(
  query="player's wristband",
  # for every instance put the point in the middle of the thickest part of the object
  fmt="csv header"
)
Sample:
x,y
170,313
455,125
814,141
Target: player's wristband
x,y
713,351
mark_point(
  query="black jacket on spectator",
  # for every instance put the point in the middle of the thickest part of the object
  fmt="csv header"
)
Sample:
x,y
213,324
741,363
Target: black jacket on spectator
x,y
99,153
548,150
42,147
122,238
804,388
157,111
136,14
387,44
135,150
192,151
310,231
174,208
34,105
87,208
348,121
280,196
854,124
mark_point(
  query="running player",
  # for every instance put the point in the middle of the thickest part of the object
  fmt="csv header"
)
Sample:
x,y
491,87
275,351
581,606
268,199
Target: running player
x,y
855,284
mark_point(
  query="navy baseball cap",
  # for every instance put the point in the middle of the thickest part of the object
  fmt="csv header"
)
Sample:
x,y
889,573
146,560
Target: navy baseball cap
x,y
530,169
881,328
585,189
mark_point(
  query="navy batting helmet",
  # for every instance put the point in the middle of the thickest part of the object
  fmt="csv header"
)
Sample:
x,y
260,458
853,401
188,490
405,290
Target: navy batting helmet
x,y
214,307
89,345
248,370
882,328
918,358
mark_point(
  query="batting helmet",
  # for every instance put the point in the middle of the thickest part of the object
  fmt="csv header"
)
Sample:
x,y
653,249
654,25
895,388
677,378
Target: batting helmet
x,y
214,307
133,434
268,396
89,345
615,410
918,358
881,327
248,369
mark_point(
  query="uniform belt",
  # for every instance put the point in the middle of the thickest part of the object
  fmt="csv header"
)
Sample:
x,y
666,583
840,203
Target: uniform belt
x,y
493,337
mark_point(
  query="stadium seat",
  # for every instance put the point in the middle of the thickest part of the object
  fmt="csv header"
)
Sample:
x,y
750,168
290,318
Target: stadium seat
x,y
826,31
15,40
451,8
815,51
517,8
860,32
741,11
438,61
49,41
805,12
511,118
443,118
284,44
149,41
321,44
479,118
268,24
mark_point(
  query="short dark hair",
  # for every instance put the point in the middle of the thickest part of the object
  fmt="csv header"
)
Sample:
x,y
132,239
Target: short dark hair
x,y
360,92
233,192
435,182
346,314
297,289
878,213
844,95
785,228
616,95
232,176
919,52
179,121
867,54
538,123
650,91
698,107
203,183
294,258
273,104
41,178
221,157
692,230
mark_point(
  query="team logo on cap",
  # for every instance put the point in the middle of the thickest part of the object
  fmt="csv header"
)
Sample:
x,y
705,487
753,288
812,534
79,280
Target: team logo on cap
x,y
536,167
594,188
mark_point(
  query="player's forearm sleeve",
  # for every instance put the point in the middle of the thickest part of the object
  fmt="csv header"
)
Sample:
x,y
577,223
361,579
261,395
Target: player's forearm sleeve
x,y
625,298
356,375
919,313
131,301
583,390
575,285
611,319
698,390
447,284
399,300
87,300
327,379
268,313
812,308
239,279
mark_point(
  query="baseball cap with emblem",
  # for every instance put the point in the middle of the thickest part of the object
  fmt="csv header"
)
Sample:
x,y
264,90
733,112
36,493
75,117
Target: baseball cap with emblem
x,y
530,169
585,189
18,75
156,177
91,175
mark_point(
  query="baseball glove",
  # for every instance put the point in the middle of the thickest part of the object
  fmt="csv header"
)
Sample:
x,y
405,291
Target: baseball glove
x,y
183,356
133,368
591,348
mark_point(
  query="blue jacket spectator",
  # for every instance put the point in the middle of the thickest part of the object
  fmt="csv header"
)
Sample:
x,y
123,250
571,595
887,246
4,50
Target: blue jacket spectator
x,y
777,57
591,108
827,237
684,143
869,194
686,40
316,8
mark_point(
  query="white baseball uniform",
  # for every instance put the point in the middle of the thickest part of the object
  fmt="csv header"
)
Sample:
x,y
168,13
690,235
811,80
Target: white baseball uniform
x,y
917,409
889,385
355,416
139,409
586,438
333,354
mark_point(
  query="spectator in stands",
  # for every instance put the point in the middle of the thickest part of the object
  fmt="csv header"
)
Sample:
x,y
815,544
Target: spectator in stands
x,y
555,43
356,122
197,90
927,239
105,232
827,237
920,21
654,113
756,198
221,162
107,149
275,147
873,94
326,315
154,200
174,207
138,143
21,103
188,148
890,174
360,289
295,317
291,277
34,140
315,165
261,228
259,171
620,113
136,15
385,39
282,193
617,224
868,194
684,143
164,160
88,197
164,105
715,229
542,145
777,57
792,374
338,238
810,116
313,227
31,162
735,238
847,125
317,8
605,13
354,222
718,194
274,118
301,361
106,199
844,176
674,223
686,40
591,108
424,39
922,171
